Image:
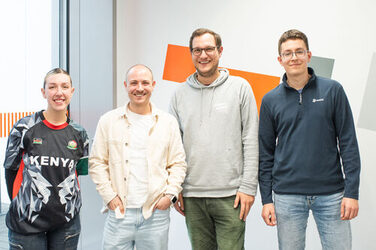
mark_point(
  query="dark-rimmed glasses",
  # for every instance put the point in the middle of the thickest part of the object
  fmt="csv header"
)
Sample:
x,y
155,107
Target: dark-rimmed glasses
x,y
289,54
208,50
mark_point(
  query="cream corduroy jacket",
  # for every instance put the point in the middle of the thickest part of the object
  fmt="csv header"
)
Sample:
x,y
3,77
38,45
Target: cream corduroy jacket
x,y
109,158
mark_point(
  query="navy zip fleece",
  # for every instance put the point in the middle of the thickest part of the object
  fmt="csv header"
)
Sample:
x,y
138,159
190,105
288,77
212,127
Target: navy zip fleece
x,y
298,138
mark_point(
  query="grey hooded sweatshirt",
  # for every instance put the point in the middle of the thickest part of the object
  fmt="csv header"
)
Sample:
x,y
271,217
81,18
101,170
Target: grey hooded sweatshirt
x,y
219,127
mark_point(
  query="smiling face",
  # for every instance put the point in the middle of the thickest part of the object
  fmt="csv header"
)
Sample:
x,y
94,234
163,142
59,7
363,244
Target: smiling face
x,y
206,64
296,65
139,85
58,92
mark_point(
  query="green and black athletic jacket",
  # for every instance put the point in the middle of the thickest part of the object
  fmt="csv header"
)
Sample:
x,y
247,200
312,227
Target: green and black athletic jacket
x,y
42,162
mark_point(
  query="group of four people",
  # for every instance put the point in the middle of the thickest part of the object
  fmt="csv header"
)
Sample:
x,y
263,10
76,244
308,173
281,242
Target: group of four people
x,y
206,157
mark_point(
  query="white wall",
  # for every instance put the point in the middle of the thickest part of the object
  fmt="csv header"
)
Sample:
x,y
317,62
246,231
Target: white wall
x,y
339,29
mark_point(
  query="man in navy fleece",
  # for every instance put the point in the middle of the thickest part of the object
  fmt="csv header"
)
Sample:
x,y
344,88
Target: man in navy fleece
x,y
309,153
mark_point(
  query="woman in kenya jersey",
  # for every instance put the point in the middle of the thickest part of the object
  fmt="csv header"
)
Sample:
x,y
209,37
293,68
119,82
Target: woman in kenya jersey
x,y
46,151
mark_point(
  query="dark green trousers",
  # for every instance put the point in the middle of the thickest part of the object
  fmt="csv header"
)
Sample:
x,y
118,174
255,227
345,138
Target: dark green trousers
x,y
213,223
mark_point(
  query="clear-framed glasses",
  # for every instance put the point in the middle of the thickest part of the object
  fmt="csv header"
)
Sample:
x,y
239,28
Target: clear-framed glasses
x,y
289,54
208,50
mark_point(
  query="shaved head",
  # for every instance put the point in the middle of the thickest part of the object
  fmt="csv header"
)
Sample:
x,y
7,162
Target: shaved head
x,y
138,66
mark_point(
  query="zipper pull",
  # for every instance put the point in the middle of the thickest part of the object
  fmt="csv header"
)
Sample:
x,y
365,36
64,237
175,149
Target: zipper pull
x,y
300,99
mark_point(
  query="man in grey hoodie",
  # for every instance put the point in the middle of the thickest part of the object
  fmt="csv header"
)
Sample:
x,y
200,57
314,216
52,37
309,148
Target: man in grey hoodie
x,y
218,120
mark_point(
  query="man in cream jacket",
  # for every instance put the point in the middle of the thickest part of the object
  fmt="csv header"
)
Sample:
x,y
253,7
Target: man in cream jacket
x,y
138,165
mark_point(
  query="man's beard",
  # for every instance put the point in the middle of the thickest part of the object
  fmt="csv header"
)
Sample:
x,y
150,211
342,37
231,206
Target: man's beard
x,y
209,73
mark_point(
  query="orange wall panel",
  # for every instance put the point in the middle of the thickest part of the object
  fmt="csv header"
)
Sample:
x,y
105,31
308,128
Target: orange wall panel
x,y
178,65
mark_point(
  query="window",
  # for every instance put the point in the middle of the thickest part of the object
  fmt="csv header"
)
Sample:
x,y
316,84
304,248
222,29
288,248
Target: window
x,y
29,48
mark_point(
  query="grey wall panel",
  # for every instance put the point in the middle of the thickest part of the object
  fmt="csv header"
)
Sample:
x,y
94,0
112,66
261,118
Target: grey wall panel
x,y
322,66
367,116
91,67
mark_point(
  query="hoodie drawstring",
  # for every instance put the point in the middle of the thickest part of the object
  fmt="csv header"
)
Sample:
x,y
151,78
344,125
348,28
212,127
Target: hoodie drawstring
x,y
201,108
211,101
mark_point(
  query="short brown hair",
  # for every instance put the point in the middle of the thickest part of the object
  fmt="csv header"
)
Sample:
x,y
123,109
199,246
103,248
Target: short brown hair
x,y
202,31
292,35
54,72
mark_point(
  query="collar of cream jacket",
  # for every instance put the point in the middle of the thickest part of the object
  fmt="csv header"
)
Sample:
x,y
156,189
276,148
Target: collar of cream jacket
x,y
155,112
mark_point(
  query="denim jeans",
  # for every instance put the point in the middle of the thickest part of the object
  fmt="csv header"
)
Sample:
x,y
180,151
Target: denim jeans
x,y
133,230
63,238
213,223
292,213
